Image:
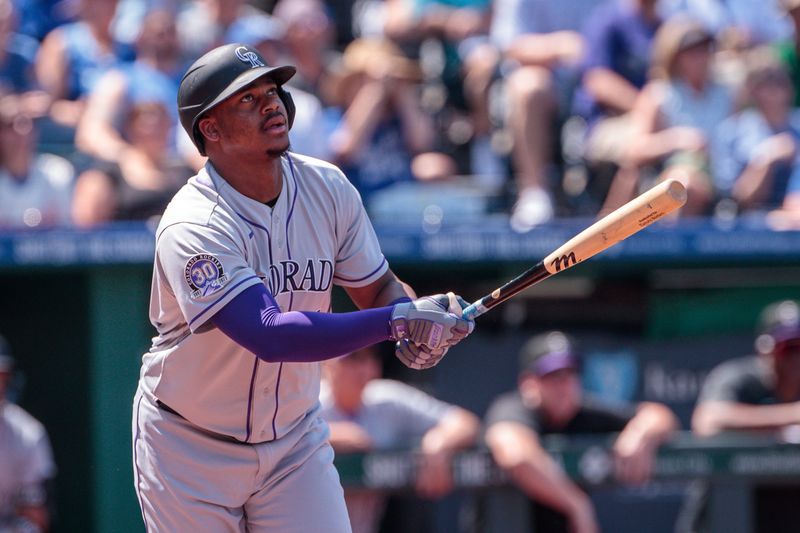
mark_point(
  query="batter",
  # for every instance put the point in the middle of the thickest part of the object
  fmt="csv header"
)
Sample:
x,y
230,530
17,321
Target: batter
x,y
226,428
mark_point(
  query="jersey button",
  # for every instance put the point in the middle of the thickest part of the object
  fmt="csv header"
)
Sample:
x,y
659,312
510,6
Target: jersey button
x,y
266,391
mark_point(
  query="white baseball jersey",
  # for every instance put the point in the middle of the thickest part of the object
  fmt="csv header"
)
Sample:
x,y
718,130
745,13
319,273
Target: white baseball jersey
x,y
26,461
394,415
213,243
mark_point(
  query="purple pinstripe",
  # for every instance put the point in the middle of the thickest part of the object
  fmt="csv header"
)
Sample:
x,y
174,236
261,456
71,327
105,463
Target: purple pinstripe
x,y
136,463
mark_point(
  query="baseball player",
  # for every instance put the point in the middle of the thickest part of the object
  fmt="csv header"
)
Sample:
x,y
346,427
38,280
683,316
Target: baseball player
x,y
26,461
226,428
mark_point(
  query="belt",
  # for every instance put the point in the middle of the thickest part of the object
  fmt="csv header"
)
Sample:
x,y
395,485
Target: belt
x,y
164,407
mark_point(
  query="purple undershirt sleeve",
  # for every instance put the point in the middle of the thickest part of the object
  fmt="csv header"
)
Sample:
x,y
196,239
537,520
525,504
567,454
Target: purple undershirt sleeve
x,y
254,320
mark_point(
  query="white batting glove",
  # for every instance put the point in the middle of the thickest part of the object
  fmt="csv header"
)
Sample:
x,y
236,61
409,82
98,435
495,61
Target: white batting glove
x,y
431,321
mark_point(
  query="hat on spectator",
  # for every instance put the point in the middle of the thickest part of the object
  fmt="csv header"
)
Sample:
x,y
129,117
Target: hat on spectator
x,y
677,34
6,361
779,326
549,352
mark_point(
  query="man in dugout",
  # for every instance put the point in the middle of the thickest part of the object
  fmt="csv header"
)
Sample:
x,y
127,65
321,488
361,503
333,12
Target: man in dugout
x,y
549,400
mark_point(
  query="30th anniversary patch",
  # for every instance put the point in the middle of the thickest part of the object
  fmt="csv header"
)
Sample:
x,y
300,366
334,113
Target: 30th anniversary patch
x,y
204,274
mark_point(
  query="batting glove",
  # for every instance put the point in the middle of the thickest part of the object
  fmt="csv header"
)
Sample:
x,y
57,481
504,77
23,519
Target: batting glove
x,y
416,356
432,321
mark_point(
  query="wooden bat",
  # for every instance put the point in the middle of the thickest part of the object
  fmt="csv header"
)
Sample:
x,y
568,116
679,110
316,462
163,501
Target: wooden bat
x,y
606,232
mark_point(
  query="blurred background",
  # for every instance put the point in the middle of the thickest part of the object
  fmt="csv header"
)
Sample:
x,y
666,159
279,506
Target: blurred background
x,y
481,134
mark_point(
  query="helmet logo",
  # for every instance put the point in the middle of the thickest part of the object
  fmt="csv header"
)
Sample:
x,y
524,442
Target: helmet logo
x,y
248,56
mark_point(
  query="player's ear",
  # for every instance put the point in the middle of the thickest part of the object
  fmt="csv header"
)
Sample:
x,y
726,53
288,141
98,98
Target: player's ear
x,y
208,128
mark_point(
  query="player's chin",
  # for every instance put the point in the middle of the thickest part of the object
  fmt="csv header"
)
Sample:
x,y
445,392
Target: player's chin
x,y
278,149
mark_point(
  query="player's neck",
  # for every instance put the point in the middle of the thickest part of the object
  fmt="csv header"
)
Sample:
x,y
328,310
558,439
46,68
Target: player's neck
x,y
259,181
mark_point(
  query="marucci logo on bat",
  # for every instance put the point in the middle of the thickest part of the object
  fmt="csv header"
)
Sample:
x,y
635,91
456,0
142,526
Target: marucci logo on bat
x,y
564,260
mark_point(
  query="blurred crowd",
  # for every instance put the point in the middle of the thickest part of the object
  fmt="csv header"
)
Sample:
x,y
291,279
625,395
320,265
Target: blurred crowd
x,y
539,108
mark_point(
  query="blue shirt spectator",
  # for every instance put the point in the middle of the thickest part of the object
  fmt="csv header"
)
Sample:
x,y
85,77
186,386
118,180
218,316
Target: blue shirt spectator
x,y
512,18
385,160
756,159
38,17
17,52
618,38
153,78
86,60
743,138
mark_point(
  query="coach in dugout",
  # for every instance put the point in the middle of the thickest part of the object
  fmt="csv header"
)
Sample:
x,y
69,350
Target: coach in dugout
x,y
549,400
366,413
760,392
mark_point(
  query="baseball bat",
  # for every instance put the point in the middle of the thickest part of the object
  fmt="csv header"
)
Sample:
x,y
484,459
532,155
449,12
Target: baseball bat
x,y
606,232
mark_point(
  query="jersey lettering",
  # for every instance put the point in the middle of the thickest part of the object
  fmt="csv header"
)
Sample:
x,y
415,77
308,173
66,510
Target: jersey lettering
x,y
317,276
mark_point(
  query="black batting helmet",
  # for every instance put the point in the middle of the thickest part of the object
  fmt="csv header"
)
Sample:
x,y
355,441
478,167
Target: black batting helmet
x,y
220,73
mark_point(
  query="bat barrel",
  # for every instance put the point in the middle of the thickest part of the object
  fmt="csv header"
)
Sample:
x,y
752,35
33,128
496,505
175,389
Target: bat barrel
x,y
632,217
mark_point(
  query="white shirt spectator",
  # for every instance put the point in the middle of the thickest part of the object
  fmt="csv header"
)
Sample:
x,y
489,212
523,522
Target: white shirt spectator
x,y
43,198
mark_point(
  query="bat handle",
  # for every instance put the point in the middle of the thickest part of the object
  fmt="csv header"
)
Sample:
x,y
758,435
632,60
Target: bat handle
x,y
474,310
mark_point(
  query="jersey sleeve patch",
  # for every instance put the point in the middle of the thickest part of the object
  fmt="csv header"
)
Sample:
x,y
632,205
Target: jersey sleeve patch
x,y
204,275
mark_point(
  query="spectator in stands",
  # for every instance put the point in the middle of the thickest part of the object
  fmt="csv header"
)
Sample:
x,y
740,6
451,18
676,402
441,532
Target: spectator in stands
x,y
735,23
549,400
675,118
465,66
756,164
17,53
541,49
309,42
73,57
789,49
140,184
384,136
754,393
366,413
38,17
204,24
26,461
35,188
343,14
154,76
619,36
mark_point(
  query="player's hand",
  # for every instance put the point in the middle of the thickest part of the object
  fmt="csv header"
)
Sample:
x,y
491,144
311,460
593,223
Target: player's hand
x,y
349,437
434,475
780,148
431,321
687,139
418,357
633,459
